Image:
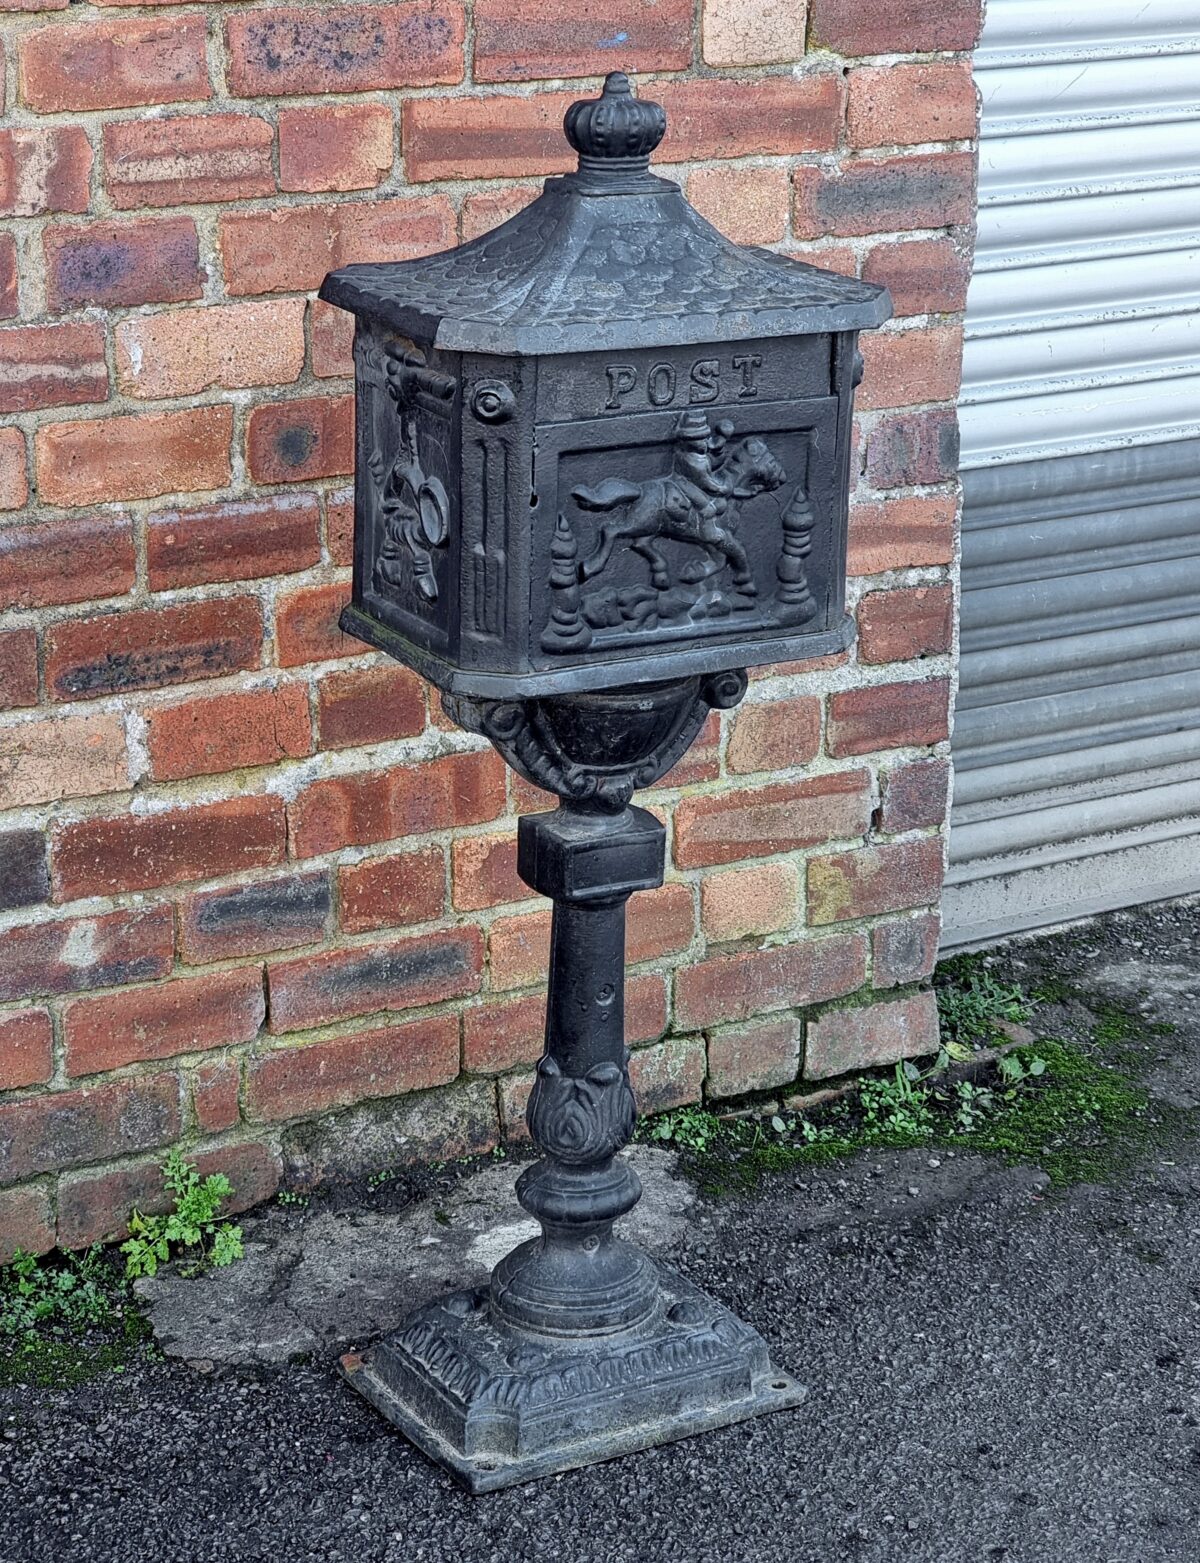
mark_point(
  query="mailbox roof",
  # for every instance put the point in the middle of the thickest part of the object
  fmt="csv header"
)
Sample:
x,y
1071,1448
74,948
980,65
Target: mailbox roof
x,y
587,268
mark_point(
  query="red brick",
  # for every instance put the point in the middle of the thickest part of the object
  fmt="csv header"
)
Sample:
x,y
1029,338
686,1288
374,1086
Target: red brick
x,y
10,303
18,669
489,208
407,800
216,733
763,821
306,626
901,534
746,901
757,1056
73,955
369,705
771,116
748,205
767,33
191,157
493,137
485,871
137,457
337,146
874,880
914,796
842,1040
51,366
905,951
913,621
888,716
294,442
77,560
154,260
184,351
924,276
736,987
511,1032
64,1128
26,1215
24,876
670,1074
240,540
659,922
913,447
62,757
45,168
345,48
138,851
289,249
876,195
902,105
299,1082
774,735
904,368
94,1207
389,892
518,950
114,64
339,984
152,647
900,26
34,5
332,332
26,1040
522,40
215,1092
188,1015
254,919
14,487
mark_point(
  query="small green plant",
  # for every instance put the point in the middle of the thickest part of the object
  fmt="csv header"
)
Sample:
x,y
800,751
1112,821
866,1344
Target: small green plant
x,y
691,1128
1014,1070
897,1108
972,1104
289,1197
193,1225
971,999
68,1296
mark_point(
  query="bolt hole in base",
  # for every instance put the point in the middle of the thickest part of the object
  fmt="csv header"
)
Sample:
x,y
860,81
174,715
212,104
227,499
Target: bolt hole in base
x,y
781,1383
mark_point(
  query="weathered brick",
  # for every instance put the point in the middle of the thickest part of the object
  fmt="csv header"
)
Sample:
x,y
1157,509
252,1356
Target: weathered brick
x,y
913,447
345,48
77,560
77,954
495,137
14,486
736,987
701,762
748,205
62,757
339,984
134,457
904,368
756,1056
294,442
901,105
94,1207
34,5
289,249
888,716
874,880
137,851
24,876
842,1040
52,366
153,260
216,1089
658,923
26,1214
771,115
335,146
152,647
188,1015
185,351
115,64
910,621
390,892
10,302
332,333
215,733
18,669
877,195
26,1041
65,1128
369,705
905,951
407,800
901,534
487,209
770,32
775,734
255,919
914,796
669,1074
522,40
887,26
924,276
191,157
240,540
518,950
457,1120
745,901
45,168
506,1034
485,871
763,821
306,626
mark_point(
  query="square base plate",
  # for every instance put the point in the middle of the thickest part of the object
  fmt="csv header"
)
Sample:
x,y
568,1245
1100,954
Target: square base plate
x,y
497,1407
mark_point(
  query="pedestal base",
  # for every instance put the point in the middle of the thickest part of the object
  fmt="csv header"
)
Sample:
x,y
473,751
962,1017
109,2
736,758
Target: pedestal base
x,y
497,1408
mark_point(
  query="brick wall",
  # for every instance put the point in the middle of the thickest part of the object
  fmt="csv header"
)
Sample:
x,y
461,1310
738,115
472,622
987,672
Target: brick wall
x,y
256,895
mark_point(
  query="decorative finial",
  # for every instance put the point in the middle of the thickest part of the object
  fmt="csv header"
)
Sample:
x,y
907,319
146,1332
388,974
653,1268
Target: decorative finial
x,y
616,132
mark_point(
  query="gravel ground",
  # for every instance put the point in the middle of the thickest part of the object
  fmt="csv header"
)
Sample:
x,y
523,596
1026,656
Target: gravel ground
x,y
997,1374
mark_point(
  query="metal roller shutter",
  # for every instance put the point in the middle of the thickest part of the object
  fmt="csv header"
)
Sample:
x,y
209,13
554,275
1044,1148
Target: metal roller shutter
x,y
1077,740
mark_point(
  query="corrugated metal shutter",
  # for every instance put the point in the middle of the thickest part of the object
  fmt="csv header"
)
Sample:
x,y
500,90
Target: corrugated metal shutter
x,y
1077,741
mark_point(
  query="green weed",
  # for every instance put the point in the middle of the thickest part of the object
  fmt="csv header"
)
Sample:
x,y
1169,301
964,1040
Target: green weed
x,y
194,1224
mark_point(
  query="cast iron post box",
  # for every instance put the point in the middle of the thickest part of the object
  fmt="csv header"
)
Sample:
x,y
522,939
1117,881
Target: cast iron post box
x,y
601,468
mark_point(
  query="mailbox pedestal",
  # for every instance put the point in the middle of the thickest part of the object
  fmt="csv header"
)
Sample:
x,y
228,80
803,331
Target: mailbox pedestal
x,y
602,468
